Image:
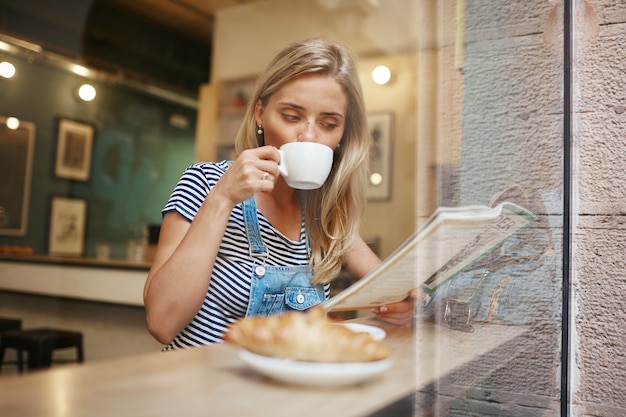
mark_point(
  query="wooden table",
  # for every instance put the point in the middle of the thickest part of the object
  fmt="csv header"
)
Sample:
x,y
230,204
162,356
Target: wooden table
x,y
213,381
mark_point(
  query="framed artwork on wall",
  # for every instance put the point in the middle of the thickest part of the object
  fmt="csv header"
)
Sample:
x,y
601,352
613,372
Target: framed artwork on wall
x,y
74,148
381,133
17,141
67,226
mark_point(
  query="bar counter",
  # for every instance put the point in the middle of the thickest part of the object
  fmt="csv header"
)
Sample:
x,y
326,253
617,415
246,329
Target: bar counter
x,y
110,281
214,381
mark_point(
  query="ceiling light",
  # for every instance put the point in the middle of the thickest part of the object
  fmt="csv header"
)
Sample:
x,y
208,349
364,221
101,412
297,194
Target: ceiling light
x,y
79,70
381,75
7,70
86,92
12,123
376,178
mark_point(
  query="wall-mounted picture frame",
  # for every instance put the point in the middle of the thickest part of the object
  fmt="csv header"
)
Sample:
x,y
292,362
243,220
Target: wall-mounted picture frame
x,y
17,143
74,149
67,226
380,163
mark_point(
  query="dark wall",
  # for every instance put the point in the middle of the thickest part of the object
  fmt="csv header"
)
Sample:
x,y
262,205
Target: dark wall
x,y
57,25
137,156
145,51
103,36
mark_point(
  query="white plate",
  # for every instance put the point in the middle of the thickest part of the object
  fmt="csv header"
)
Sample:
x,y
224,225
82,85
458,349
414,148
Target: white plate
x,y
313,373
376,332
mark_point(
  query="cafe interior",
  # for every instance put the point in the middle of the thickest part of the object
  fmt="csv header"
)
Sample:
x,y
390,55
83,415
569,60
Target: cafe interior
x,y
104,103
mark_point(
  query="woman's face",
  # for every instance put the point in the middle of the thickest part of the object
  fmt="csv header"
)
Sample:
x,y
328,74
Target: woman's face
x,y
311,108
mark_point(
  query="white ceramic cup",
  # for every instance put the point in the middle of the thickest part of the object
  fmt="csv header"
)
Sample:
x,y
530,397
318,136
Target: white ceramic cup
x,y
305,165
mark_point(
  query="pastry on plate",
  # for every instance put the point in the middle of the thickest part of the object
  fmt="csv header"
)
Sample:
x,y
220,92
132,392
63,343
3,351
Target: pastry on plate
x,y
308,336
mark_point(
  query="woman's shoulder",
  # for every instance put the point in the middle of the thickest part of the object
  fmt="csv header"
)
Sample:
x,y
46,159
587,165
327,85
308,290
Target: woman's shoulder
x,y
205,172
208,169
195,183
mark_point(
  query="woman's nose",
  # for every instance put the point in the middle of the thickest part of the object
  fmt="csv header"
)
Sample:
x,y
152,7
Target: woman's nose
x,y
308,133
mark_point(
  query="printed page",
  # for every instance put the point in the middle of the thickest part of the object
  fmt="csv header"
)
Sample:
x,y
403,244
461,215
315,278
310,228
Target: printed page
x,y
450,241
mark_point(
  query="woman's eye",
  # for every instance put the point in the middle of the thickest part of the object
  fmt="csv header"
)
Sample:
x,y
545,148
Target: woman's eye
x,y
329,125
291,117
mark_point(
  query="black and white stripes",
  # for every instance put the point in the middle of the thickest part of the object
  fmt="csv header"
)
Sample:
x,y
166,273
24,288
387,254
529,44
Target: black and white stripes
x,y
229,289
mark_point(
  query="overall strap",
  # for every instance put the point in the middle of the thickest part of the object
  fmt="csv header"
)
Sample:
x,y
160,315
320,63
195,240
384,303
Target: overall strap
x,y
256,247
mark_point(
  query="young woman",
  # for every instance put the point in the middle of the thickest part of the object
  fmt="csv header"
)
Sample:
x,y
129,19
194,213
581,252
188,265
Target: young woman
x,y
236,240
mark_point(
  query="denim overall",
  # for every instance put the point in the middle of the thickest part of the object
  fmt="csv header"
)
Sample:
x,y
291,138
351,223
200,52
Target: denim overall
x,y
276,289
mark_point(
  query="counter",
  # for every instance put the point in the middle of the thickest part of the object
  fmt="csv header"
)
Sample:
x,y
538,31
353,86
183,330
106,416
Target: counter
x,y
213,380
113,281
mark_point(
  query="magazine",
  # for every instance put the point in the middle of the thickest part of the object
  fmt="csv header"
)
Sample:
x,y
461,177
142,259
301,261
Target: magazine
x,y
451,240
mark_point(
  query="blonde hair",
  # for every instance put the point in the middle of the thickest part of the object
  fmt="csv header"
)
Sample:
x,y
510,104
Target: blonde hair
x,y
333,212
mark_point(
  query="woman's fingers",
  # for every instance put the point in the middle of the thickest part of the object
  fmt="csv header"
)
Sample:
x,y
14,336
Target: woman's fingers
x,y
253,171
400,313
259,163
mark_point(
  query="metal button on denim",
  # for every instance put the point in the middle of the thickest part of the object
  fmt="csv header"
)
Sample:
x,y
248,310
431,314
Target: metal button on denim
x,y
300,298
259,271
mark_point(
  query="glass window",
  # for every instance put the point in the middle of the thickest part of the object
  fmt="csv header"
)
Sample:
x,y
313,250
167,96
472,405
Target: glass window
x,y
474,112
490,130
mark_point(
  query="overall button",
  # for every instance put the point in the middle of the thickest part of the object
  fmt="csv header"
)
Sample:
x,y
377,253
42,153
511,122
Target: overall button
x,y
259,271
300,298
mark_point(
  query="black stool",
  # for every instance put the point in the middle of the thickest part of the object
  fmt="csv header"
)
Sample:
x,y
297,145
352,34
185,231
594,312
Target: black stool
x,y
40,343
9,324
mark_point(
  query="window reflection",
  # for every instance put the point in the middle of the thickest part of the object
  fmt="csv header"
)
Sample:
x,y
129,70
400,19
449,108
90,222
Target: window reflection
x,y
490,87
477,118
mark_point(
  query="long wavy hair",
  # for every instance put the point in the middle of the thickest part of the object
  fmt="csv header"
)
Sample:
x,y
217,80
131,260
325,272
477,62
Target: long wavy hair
x,y
332,212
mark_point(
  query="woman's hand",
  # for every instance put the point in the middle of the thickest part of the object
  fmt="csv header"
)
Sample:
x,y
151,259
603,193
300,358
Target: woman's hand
x,y
181,270
400,313
247,175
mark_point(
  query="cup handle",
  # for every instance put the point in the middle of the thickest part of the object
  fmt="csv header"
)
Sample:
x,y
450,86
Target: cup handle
x,y
282,168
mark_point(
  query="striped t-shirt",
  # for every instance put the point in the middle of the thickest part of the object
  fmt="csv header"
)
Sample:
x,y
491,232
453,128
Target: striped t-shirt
x,y
229,288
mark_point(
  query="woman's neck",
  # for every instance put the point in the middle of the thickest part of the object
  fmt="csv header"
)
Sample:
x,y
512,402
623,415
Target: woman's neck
x,y
282,209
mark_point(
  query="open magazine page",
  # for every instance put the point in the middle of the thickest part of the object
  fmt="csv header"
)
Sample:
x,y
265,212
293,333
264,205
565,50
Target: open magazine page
x,y
450,241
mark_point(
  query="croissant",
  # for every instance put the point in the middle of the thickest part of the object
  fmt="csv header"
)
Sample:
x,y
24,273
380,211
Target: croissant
x,y
309,336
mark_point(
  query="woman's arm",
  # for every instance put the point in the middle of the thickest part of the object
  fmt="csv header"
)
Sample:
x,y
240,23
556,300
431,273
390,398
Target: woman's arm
x,y
179,277
359,262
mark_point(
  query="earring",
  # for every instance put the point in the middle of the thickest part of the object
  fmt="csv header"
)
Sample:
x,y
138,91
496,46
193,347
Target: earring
x,y
260,137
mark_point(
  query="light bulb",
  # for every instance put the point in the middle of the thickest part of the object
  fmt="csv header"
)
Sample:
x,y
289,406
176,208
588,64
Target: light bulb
x,y
79,70
7,70
381,75
13,123
86,92
376,178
